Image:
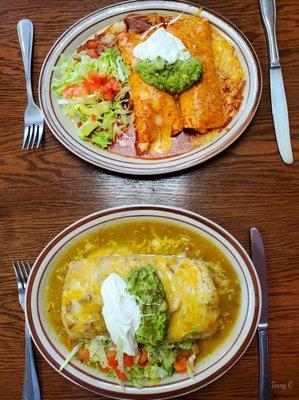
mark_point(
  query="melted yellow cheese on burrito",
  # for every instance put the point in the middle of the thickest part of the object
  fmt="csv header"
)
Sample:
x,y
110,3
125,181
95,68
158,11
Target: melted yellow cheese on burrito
x,y
192,297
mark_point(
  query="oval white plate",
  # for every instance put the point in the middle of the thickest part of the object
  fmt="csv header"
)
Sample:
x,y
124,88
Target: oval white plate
x,y
209,369
65,131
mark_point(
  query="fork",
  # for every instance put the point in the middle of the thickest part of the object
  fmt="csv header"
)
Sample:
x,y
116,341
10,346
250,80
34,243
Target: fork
x,y
31,390
33,118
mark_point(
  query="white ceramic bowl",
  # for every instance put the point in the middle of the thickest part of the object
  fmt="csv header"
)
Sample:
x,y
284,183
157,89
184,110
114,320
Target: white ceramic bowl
x,y
210,369
66,132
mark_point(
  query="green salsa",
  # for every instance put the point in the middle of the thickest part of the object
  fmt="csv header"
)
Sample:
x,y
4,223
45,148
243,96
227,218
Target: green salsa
x,y
172,78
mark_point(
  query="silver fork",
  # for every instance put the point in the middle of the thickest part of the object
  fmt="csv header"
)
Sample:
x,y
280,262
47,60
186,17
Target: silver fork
x,y
33,118
31,390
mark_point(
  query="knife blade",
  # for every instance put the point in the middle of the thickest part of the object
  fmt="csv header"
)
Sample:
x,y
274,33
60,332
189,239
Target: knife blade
x,y
278,95
259,260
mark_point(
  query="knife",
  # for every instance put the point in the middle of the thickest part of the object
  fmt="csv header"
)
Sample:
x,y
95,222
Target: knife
x,y
278,95
259,261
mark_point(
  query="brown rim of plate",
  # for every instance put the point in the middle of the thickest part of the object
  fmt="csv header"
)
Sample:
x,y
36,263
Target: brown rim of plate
x,y
166,166
146,207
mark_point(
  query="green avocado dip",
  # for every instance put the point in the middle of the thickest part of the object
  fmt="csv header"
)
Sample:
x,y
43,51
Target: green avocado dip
x,y
148,290
172,78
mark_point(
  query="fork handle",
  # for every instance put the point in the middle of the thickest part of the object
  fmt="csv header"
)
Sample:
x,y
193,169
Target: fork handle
x,y
25,33
31,390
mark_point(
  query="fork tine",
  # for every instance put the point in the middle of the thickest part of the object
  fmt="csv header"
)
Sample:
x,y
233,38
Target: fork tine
x,y
30,134
19,282
40,135
34,136
28,266
20,273
25,136
24,270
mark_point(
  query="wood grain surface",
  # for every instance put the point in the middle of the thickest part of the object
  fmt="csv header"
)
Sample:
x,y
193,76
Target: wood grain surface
x,y
43,191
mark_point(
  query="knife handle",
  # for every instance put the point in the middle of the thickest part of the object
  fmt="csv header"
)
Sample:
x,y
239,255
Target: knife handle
x,y
265,390
268,12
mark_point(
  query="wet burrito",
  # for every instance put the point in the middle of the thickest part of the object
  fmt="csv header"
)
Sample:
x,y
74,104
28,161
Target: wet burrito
x,y
192,300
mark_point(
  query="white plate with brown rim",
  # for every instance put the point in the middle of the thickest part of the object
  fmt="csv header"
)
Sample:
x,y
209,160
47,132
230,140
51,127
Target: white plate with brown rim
x,y
66,132
209,369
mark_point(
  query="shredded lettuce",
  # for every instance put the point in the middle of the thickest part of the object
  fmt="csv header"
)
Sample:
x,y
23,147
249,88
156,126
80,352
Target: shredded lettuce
x,y
160,363
190,365
73,70
100,121
97,351
112,63
87,128
164,354
120,354
121,69
103,140
151,374
71,355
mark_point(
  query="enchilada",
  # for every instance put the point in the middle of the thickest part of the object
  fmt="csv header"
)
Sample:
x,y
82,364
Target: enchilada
x,y
201,105
155,113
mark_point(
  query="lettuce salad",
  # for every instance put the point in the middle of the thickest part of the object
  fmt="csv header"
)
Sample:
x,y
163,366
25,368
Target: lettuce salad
x,y
148,367
94,95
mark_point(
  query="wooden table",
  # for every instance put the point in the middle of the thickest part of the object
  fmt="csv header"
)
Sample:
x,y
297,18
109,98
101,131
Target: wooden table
x,y
43,191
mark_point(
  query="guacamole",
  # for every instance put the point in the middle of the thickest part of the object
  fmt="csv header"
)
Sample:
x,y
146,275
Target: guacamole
x,y
147,287
172,78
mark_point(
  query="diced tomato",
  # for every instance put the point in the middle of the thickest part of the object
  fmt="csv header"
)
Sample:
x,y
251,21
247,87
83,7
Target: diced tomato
x,y
128,361
143,358
92,44
93,53
93,117
83,355
71,91
121,376
106,370
110,89
112,359
101,79
180,365
90,86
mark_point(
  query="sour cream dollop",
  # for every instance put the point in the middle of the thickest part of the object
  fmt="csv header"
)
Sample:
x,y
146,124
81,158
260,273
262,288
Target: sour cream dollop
x,y
162,44
121,313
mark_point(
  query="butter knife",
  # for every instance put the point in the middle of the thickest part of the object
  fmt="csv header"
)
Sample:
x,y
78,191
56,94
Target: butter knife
x,y
278,95
259,261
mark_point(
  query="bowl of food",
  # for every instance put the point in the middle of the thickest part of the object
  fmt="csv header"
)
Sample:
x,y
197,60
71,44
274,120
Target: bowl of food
x,y
150,88
143,301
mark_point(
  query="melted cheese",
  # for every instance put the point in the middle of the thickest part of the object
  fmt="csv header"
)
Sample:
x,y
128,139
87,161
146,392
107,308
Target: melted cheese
x,y
191,295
